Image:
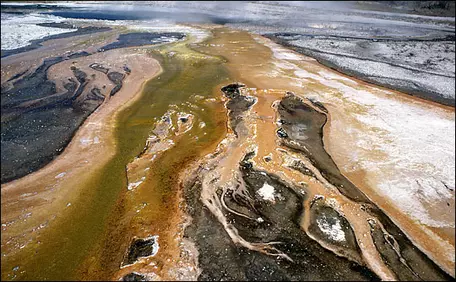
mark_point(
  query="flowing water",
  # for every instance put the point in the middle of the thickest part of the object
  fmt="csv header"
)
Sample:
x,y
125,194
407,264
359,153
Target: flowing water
x,y
93,231
139,192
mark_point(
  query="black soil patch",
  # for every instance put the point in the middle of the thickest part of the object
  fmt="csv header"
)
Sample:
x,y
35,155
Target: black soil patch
x,y
37,122
303,127
221,259
78,55
116,78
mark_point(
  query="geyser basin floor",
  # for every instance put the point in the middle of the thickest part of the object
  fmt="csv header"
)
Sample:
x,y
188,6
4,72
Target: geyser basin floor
x,y
96,222
86,185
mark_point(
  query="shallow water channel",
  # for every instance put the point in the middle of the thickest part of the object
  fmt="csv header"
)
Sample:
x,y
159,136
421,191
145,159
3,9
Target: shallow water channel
x,y
91,237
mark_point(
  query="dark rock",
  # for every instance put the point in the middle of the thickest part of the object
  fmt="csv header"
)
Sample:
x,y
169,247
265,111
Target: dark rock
x,y
115,89
319,105
281,133
80,75
140,248
299,166
17,76
78,54
134,276
232,90
96,94
320,212
116,77
99,67
236,105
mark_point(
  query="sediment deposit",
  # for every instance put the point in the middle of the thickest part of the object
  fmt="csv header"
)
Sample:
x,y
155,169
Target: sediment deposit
x,y
228,158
